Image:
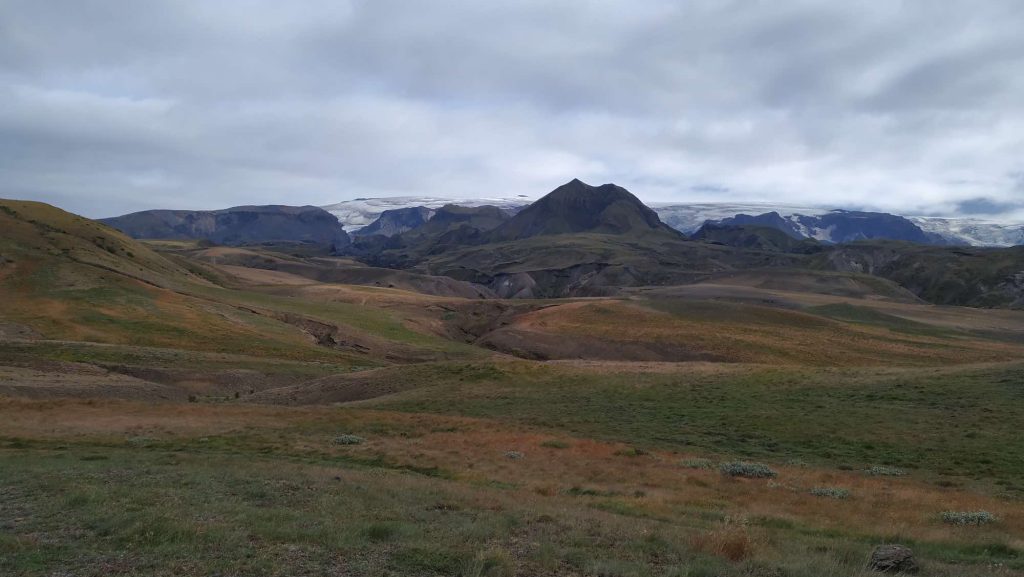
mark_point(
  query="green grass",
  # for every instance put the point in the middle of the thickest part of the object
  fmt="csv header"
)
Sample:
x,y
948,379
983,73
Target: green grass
x,y
868,316
178,513
242,505
29,353
375,321
956,422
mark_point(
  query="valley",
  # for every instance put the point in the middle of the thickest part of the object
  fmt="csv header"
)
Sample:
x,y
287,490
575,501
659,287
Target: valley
x,y
504,395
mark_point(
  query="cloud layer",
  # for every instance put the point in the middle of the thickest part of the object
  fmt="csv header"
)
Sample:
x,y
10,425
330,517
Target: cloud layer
x,y
909,106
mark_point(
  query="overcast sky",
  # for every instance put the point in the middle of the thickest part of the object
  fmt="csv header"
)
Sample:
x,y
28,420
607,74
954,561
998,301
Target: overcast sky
x,y
916,107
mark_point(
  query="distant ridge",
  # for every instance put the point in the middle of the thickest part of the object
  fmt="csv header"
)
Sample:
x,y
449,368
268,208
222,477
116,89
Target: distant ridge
x,y
236,226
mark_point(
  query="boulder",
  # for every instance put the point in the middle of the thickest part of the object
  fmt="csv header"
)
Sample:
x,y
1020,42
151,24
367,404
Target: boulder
x,y
893,559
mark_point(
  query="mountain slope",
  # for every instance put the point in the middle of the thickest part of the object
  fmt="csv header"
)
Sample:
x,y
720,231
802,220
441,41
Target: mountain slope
x,y
965,276
397,221
67,278
236,226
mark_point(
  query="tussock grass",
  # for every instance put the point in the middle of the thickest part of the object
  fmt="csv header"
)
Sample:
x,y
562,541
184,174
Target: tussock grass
x,y
348,439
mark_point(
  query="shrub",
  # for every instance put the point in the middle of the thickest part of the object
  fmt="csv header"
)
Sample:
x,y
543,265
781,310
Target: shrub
x,y
748,470
589,492
631,452
349,440
379,532
697,463
964,518
493,563
883,471
514,455
555,444
831,492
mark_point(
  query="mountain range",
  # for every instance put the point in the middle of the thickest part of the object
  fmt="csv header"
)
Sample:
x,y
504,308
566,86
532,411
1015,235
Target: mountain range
x,y
583,240
823,224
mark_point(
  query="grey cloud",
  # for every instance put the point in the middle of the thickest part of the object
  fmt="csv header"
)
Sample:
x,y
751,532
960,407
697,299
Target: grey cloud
x,y
110,106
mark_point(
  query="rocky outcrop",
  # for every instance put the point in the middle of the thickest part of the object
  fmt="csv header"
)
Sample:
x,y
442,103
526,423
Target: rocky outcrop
x,y
893,559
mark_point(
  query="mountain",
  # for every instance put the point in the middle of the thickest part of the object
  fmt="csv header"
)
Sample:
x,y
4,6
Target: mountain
x,y
397,221
236,226
577,207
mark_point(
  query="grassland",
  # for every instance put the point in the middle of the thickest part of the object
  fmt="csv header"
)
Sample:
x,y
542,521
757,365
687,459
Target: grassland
x,y
199,489
162,415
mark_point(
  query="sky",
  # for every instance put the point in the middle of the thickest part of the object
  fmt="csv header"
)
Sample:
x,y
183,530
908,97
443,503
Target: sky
x,y
914,107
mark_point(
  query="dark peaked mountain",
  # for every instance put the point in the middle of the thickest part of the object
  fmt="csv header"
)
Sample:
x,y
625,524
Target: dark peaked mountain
x,y
577,207
236,226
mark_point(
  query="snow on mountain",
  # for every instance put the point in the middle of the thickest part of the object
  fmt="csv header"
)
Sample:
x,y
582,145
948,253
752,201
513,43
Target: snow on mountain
x,y
687,218
360,212
972,231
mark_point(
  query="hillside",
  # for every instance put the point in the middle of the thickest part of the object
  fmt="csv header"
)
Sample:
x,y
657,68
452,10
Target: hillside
x,y
963,276
236,226
66,278
754,237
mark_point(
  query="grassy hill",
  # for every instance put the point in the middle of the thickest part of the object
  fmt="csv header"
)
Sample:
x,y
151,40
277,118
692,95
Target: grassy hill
x,y
66,278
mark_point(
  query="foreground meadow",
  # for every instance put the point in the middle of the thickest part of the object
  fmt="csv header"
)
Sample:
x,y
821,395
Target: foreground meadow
x,y
517,468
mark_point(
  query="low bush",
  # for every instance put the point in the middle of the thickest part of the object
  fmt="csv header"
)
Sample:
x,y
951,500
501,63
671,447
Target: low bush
x,y
631,452
964,518
748,470
349,440
884,471
831,492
